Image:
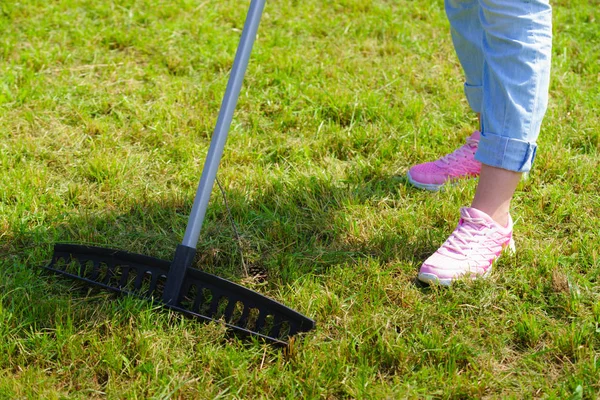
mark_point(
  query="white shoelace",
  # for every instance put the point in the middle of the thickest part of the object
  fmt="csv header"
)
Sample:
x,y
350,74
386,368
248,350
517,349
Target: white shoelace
x,y
461,240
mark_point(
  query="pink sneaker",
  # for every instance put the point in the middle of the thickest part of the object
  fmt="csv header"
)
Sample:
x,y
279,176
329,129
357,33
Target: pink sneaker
x,y
470,251
458,164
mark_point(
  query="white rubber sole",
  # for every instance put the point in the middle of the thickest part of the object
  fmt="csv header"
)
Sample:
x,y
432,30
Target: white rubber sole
x,y
432,279
433,187
427,186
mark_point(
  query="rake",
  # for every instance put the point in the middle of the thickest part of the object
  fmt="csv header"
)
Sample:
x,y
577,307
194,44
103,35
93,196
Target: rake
x,y
176,284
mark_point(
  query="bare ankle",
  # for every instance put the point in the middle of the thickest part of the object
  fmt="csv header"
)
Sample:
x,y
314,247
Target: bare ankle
x,y
499,216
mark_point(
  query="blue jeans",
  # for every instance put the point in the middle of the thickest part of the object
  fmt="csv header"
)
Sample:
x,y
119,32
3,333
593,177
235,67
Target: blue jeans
x,y
504,47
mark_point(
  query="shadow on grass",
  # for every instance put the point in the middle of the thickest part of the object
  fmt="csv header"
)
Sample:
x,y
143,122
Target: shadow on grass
x,y
287,230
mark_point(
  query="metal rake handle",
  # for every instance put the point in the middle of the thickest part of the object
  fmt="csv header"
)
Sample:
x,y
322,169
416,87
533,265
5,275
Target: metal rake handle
x,y
215,151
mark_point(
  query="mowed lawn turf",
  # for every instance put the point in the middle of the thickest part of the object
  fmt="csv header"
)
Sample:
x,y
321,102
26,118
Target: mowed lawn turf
x,y
106,113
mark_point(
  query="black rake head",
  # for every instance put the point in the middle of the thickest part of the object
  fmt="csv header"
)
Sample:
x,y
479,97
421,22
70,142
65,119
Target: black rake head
x,y
203,296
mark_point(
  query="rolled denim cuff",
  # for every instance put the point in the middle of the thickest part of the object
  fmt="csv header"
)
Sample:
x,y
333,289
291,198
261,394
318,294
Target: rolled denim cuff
x,y
506,153
474,97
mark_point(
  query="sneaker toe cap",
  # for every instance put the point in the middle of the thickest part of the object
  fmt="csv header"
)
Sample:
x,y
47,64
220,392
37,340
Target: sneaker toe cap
x,y
440,273
427,173
447,268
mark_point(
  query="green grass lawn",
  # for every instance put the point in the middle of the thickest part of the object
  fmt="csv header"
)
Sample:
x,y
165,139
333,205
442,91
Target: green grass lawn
x,y
106,113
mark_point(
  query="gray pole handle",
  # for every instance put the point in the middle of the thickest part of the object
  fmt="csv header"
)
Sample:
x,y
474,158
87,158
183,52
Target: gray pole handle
x,y
215,151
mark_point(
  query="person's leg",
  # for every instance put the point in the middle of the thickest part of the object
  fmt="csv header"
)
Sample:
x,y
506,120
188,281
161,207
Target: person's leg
x,y
467,34
517,43
495,191
516,74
